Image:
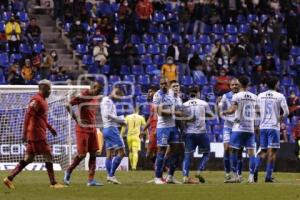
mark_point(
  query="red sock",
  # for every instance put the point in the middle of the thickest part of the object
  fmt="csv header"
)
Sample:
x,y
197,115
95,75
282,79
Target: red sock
x,y
92,167
22,164
49,167
74,164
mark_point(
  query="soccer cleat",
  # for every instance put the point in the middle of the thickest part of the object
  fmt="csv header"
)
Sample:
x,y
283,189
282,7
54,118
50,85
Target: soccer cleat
x,y
171,180
159,181
234,179
94,183
227,177
113,180
67,178
255,176
270,180
200,178
251,178
57,186
8,183
188,180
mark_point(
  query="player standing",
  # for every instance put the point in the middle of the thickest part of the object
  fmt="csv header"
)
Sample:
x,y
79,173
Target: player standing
x,y
135,123
86,133
34,133
270,103
167,133
195,134
224,104
113,141
244,107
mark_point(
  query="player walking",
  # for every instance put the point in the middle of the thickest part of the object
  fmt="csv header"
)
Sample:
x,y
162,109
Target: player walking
x,y
270,103
244,107
195,134
35,126
113,141
86,133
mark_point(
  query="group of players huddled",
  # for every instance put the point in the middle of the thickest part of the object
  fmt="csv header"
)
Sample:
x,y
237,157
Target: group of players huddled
x,y
175,129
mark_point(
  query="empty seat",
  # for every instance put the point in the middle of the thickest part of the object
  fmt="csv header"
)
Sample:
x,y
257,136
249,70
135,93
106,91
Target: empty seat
x,y
137,70
231,29
88,60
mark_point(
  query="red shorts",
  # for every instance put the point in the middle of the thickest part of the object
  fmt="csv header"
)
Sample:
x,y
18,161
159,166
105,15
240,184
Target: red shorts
x,y
152,146
86,142
38,148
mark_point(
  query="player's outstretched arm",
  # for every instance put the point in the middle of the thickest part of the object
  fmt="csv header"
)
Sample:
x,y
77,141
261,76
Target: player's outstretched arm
x,y
71,112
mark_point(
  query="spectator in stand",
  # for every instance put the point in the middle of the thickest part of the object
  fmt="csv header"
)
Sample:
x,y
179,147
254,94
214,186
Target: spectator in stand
x,y
173,51
169,70
209,66
219,52
100,53
27,71
106,28
268,63
194,61
293,27
243,55
14,75
222,85
144,10
2,42
276,26
130,54
115,51
33,32
124,11
198,72
68,12
105,9
231,9
294,104
184,56
284,51
283,132
296,137
77,33
256,38
184,16
46,66
259,75
13,35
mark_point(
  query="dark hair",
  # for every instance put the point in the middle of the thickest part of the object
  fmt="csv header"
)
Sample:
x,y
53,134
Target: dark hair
x,y
152,87
244,81
32,18
271,82
173,81
193,91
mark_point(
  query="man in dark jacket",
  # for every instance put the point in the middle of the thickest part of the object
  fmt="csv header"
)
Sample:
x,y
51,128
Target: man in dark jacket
x,y
116,56
33,32
77,33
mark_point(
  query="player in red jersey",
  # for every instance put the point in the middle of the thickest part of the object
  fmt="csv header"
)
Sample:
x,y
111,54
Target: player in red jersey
x,y
34,133
86,134
151,125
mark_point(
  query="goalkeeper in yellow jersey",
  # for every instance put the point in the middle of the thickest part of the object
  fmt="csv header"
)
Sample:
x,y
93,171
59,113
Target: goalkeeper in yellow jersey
x,y
135,123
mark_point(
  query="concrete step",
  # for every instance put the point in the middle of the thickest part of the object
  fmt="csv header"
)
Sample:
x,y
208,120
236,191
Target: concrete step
x,y
49,29
55,46
52,35
64,56
63,51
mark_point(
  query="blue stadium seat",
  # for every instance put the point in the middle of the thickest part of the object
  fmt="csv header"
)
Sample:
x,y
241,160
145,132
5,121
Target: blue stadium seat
x,y
88,6
38,48
243,29
23,16
176,37
195,49
129,78
263,18
162,39
253,89
141,48
105,69
145,110
286,81
135,39
164,48
231,29
232,39
113,79
159,60
93,69
144,80
295,51
67,27
153,29
294,120
207,89
2,27
25,48
4,60
151,69
81,49
207,49
218,29
2,79
141,99
15,57
6,16
257,60
115,7
148,39
156,80
125,70
297,60
146,59
159,17
204,40
192,39
137,70
213,80
202,80
218,37
241,19
207,29
88,60
186,80
153,49
137,90
251,18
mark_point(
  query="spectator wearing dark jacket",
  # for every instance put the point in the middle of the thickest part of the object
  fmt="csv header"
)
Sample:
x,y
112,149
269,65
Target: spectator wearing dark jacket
x,y
195,61
284,51
116,56
184,56
268,63
33,32
130,54
77,33
173,51
243,55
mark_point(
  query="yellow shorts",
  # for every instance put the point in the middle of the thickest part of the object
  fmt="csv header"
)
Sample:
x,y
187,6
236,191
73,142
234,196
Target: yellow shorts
x,y
134,142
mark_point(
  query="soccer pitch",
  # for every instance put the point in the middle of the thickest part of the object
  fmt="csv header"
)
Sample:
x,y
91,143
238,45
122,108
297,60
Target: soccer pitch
x,y
34,186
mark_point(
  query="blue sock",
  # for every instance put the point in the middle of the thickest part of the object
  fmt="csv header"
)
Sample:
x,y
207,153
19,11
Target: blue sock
x,y
226,161
166,162
239,166
115,164
186,164
270,167
233,162
172,164
257,163
108,163
203,162
251,164
159,165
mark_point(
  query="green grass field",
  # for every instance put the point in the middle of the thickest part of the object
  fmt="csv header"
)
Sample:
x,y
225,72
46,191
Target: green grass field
x,y
34,186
